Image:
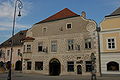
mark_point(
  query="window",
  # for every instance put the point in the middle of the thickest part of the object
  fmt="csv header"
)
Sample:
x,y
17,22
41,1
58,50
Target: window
x,y
44,29
1,53
111,43
69,25
19,52
70,66
88,44
88,66
29,65
24,48
40,46
8,52
54,46
38,65
28,48
112,66
70,45
77,47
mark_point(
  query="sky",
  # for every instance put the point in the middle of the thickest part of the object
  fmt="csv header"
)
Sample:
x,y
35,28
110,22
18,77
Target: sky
x,y
34,11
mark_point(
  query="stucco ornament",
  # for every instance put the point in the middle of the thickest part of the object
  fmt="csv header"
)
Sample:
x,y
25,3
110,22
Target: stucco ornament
x,y
91,27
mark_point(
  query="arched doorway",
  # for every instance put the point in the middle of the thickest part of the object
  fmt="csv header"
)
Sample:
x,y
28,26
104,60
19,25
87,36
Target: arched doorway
x,y
79,69
18,65
112,66
8,65
54,67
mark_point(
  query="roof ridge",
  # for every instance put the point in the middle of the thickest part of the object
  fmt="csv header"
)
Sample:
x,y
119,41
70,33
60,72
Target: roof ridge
x,y
64,13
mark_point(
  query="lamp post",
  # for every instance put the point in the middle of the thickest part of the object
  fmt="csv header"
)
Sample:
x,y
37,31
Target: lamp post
x,y
18,4
93,72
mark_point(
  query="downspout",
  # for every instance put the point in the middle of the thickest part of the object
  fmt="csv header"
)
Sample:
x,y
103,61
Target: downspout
x,y
98,33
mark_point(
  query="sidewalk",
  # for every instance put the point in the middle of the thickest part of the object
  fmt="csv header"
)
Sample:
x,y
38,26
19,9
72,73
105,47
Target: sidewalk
x,y
31,76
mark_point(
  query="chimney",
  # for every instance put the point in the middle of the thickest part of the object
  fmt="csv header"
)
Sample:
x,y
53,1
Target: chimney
x,y
83,14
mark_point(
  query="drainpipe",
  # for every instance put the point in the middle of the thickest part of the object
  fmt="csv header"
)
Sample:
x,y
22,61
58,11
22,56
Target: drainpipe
x,y
98,34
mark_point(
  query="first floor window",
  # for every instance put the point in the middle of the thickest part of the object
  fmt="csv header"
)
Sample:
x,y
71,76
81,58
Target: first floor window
x,y
19,52
111,43
38,65
70,66
40,46
88,44
28,48
70,44
24,48
54,46
112,66
29,65
8,52
88,66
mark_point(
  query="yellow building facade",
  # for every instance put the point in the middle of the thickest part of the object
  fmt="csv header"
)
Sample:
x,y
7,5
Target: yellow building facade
x,y
110,43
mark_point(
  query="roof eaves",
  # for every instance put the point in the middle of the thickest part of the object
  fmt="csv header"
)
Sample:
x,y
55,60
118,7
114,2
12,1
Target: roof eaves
x,y
57,19
112,15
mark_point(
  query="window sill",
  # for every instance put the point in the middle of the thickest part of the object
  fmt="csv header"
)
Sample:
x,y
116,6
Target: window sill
x,y
88,48
27,52
38,70
113,71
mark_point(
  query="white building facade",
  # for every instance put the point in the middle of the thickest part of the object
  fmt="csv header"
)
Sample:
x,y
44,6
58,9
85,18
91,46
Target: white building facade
x,y
61,45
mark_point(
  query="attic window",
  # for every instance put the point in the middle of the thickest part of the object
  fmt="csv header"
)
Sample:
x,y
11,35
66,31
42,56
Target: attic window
x,y
44,29
68,25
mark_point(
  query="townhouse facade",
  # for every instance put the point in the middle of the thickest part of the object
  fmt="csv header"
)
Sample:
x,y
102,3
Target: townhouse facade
x,y
5,50
62,44
110,43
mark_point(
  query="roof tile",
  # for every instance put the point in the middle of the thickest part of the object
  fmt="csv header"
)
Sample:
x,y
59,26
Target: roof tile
x,y
65,13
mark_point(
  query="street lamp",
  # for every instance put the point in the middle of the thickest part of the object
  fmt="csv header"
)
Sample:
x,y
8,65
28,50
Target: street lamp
x,y
93,72
18,4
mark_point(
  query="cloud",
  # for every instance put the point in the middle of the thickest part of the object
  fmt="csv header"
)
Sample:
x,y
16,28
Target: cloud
x,y
3,28
6,10
8,26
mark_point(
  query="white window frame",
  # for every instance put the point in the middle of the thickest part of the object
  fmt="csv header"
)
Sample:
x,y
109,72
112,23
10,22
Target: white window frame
x,y
114,43
67,27
29,49
40,44
56,45
70,45
87,41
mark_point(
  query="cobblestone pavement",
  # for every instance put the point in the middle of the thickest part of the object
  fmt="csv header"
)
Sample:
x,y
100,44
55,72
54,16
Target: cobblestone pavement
x,y
23,76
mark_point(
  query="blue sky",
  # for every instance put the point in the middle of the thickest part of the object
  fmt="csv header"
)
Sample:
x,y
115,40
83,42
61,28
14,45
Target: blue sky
x,y
36,10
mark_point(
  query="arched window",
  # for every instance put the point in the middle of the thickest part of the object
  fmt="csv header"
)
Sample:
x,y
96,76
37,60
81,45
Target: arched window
x,y
112,66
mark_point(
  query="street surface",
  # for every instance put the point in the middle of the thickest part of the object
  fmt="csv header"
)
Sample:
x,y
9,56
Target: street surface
x,y
23,76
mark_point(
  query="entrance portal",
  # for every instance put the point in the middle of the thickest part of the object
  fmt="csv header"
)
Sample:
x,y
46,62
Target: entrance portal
x,y
18,65
54,67
79,69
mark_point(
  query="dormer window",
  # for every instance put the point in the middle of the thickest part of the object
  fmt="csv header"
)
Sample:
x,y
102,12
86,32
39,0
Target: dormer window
x,y
69,25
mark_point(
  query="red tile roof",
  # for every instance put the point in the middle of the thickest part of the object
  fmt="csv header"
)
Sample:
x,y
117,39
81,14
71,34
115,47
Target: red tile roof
x,y
65,13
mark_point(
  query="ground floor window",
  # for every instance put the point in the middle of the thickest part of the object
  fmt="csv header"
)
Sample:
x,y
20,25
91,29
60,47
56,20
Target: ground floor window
x,y
70,66
38,65
88,66
29,65
112,66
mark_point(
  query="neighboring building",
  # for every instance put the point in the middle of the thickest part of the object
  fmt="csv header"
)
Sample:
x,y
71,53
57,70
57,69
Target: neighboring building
x,y
110,43
5,50
61,45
